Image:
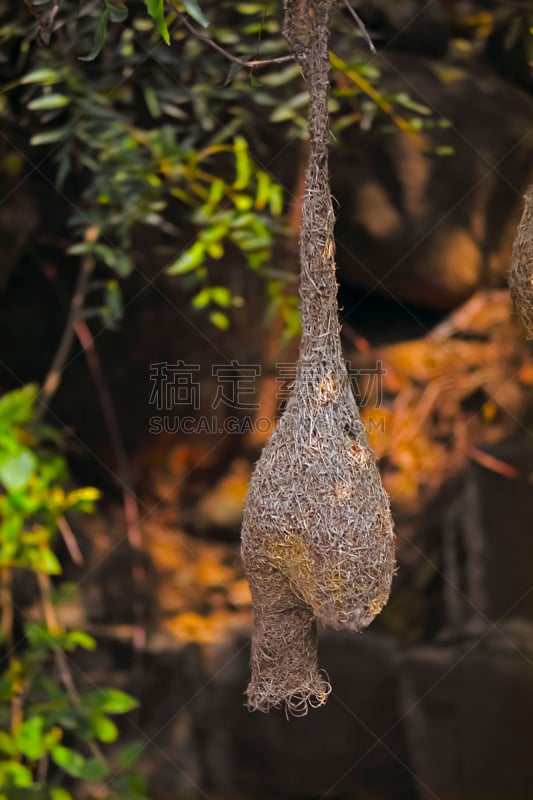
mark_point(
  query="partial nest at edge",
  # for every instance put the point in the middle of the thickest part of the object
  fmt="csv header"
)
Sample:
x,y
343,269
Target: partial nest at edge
x,y
521,271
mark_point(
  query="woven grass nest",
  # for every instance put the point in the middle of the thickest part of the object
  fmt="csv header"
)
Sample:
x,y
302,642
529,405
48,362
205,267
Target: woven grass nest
x,y
521,271
317,536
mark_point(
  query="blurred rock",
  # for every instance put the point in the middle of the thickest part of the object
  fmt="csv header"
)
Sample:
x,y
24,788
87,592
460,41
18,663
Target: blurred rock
x,y
467,709
428,228
351,747
412,25
199,739
487,536
172,681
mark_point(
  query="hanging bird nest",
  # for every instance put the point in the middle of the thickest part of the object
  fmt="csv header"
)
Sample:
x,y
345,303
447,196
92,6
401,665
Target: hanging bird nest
x,y
317,537
521,271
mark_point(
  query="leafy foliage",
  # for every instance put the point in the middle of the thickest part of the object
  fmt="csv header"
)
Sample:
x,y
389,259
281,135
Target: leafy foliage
x,y
147,150
169,138
32,474
47,729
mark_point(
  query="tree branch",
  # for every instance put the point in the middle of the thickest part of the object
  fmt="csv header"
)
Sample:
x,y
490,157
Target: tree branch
x,y
53,378
131,506
258,64
362,27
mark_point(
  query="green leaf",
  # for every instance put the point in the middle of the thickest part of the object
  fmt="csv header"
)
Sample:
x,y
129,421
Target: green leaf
x,y
15,472
202,299
404,100
242,163
216,193
29,738
232,71
83,499
131,785
281,76
98,39
283,114
416,124
292,320
94,769
58,793
43,75
47,101
10,537
156,9
110,701
15,774
69,760
276,200
263,189
243,202
45,561
130,753
255,260
214,233
104,728
17,406
152,102
80,248
445,150
221,295
114,259
118,12
113,300
117,702
193,9
215,250
7,744
220,320
298,100
190,260
250,8
50,434
49,137
81,639
36,634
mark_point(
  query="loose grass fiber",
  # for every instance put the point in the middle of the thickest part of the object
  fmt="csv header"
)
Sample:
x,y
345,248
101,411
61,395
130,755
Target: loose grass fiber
x,y
317,537
521,271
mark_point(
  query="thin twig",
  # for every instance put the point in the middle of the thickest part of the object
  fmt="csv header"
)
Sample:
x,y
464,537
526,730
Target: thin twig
x,y
54,626
131,507
53,378
17,706
258,64
70,541
6,602
45,27
8,620
492,463
362,27
42,768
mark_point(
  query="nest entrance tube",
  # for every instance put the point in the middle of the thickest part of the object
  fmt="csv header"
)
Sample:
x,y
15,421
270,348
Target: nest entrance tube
x,y
317,535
